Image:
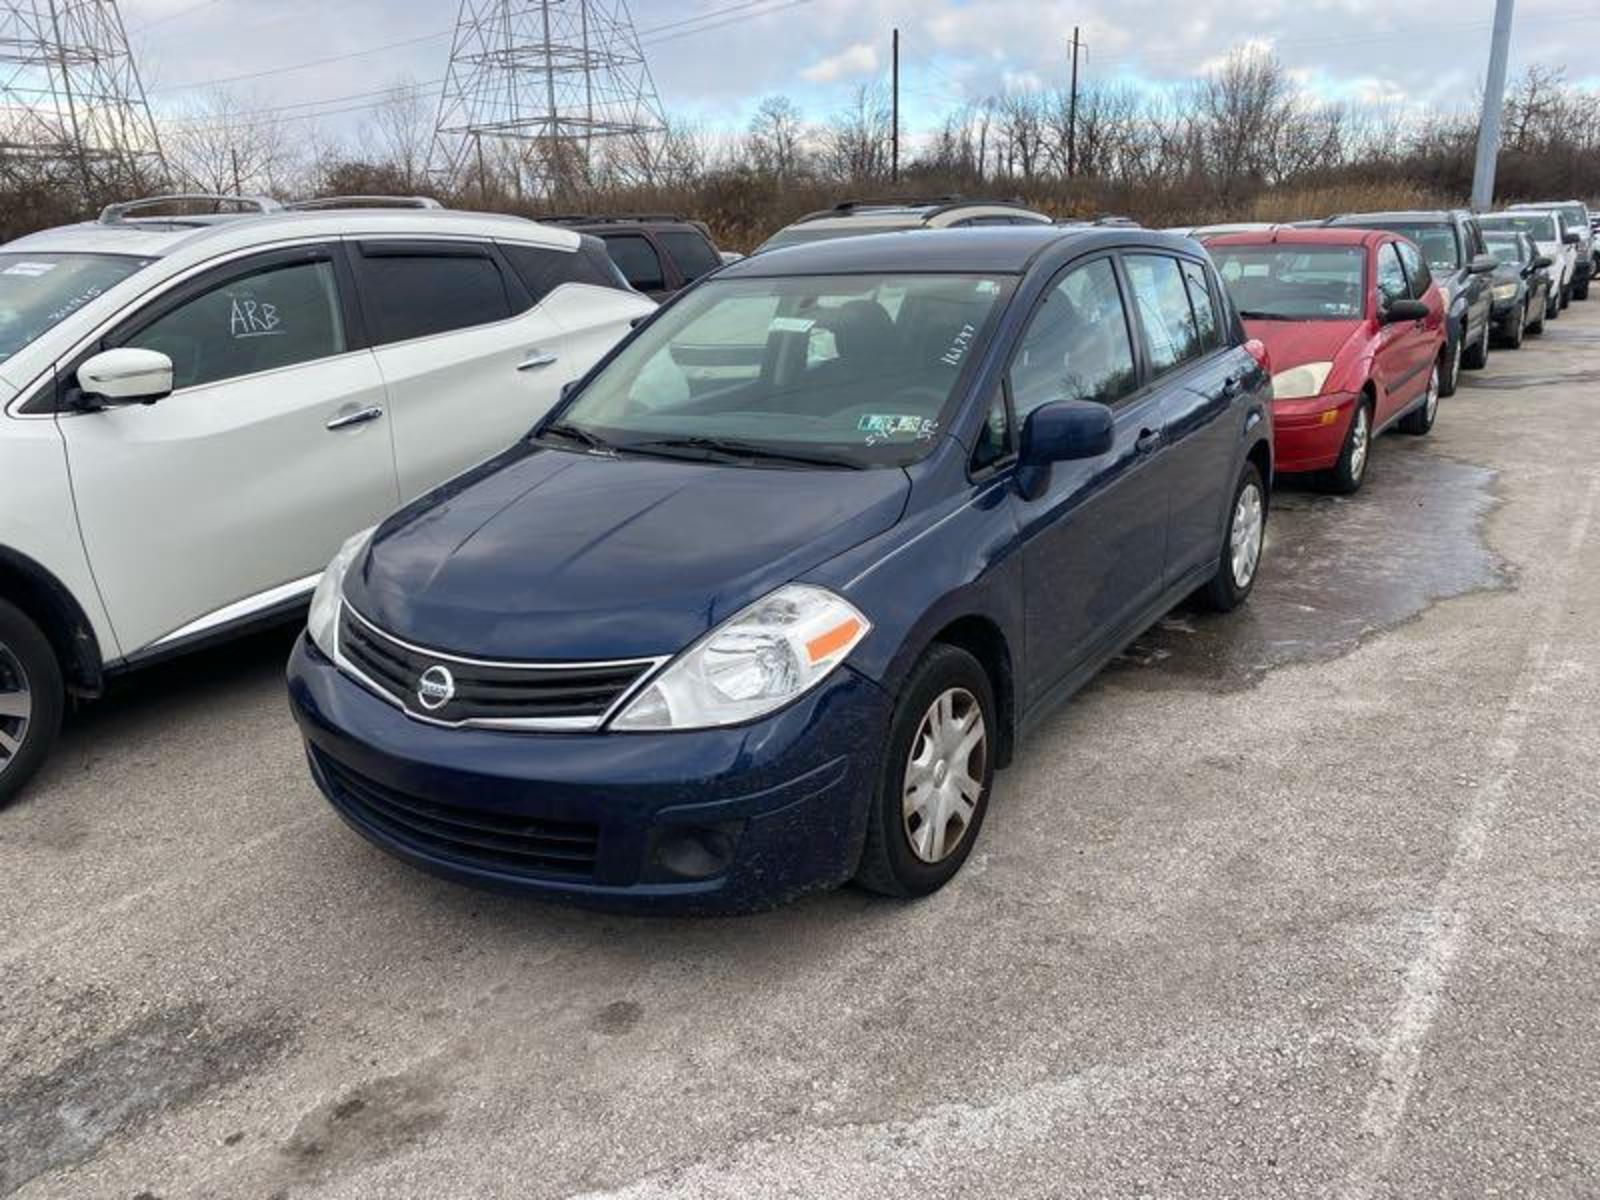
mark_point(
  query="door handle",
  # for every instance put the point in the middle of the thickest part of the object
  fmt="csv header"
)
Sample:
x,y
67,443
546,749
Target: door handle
x,y
1149,439
360,417
1230,385
537,358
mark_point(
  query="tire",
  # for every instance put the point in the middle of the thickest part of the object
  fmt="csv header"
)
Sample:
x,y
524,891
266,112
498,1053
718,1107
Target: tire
x,y
1419,421
1536,326
1552,307
1566,296
1580,291
32,699
1518,327
900,857
1476,356
1356,453
1450,365
1226,591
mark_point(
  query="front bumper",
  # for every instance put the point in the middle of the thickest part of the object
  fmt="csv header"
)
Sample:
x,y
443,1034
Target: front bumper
x,y
776,808
1308,434
1504,312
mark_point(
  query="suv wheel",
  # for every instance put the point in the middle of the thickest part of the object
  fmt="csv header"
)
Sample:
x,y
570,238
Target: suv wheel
x,y
1580,290
1242,545
1450,361
31,699
934,787
1477,356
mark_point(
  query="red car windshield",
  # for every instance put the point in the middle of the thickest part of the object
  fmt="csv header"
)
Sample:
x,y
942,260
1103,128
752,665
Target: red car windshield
x,y
1293,283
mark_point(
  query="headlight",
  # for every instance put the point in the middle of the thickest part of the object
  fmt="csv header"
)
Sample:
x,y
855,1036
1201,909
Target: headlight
x,y
322,622
1299,382
1504,291
756,661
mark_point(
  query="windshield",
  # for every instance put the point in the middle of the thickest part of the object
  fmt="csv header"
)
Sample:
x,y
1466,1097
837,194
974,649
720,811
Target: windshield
x,y
38,291
1575,216
1541,227
1293,283
798,235
1506,248
1437,243
852,370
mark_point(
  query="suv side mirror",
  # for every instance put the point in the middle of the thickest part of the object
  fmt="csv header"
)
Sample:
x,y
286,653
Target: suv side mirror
x,y
1482,264
126,376
1058,432
1571,238
1402,310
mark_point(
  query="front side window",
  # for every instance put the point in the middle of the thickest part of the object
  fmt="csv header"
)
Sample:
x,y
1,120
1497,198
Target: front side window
x,y
1416,270
1287,282
1163,301
38,291
1392,284
418,295
857,369
640,263
275,317
690,250
1077,345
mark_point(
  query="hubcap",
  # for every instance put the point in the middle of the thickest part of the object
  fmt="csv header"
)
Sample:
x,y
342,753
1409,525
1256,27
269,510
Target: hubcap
x,y
1432,402
1360,438
944,775
1455,361
1245,540
16,707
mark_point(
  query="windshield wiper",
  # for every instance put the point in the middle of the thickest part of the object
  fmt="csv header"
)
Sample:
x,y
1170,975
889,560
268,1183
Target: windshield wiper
x,y
733,448
1250,314
575,433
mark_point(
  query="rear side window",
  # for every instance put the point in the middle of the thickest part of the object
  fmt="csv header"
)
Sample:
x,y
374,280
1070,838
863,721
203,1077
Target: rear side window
x,y
1416,270
543,269
1076,346
1205,312
275,317
691,252
415,295
1163,301
640,264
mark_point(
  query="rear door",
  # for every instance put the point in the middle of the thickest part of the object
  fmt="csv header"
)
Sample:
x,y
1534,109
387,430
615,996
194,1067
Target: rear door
x,y
230,495
1095,540
468,365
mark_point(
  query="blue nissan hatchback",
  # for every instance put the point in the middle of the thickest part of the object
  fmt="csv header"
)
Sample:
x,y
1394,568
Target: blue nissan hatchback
x,y
764,603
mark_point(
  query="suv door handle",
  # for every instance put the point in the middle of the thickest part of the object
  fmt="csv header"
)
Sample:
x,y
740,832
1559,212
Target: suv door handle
x,y
360,417
537,358
1149,439
1231,385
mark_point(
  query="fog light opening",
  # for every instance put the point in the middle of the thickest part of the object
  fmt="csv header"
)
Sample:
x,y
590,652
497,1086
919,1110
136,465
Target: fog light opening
x,y
694,851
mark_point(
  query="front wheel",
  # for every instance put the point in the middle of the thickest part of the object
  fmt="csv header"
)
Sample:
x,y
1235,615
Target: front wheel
x,y
1476,357
933,789
1517,327
1580,291
1450,364
1536,326
1351,468
1242,545
1566,296
31,699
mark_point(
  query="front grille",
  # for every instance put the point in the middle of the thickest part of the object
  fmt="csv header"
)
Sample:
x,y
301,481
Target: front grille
x,y
530,695
475,837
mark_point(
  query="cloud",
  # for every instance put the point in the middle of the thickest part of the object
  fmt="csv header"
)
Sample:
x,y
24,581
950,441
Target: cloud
x,y
859,59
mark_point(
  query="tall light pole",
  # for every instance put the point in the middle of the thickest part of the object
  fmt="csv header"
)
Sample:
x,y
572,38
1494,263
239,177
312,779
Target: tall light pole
x,y
1494,102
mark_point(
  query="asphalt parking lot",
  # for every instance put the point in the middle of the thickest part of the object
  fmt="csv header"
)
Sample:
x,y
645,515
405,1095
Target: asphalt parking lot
x,y
1298,902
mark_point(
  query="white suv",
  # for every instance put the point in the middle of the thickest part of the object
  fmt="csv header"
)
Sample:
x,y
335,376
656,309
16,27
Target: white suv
x,y
854,218
195,411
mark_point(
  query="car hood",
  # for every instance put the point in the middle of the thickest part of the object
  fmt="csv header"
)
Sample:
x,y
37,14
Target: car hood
x,y
1291,343
542,554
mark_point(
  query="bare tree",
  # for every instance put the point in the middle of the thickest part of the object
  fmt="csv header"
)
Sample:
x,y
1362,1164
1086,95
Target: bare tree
x,y
776,140
221,146
856,142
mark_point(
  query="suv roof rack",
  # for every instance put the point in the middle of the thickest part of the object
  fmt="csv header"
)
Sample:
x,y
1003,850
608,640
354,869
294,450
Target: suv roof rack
x,y
320,202
117,214
610,218
936,205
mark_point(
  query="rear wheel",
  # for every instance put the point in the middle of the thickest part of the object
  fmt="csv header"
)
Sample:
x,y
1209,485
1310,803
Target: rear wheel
x,y
1420,420
933,789
31,699
1242,545
1351,468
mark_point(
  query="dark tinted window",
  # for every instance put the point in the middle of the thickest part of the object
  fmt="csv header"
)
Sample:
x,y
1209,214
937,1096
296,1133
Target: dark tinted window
x,y
690,250
1416,270
1205,312
1077,345
257,322
639,262
1391,277
989,220
1163,304
413,295
542,269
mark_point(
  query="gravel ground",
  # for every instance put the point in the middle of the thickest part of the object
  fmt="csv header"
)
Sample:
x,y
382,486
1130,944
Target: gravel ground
x,y
1298,902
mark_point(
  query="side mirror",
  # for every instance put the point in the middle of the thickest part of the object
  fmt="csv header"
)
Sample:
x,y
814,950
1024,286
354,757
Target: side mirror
x,y
1571,238
126,376
1482,264
1402,310
1058,432
1543,261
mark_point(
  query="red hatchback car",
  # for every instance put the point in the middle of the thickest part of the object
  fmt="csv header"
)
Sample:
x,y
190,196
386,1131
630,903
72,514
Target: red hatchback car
x,y
1355,329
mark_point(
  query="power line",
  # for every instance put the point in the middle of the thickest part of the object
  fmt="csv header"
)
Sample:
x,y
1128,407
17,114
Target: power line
x,y
301,66
182,12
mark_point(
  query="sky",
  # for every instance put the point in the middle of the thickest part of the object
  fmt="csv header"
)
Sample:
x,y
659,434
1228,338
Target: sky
x,y
713,60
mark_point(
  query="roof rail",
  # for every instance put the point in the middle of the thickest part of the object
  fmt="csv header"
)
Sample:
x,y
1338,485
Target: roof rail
x,y
320,202
607,218
115,214
903,202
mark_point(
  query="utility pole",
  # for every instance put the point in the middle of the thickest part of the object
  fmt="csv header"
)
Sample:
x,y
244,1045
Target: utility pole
x,y
1494,102
894,133
1072,111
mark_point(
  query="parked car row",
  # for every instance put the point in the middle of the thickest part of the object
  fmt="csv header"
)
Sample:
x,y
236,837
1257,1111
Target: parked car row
x,y
697,606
